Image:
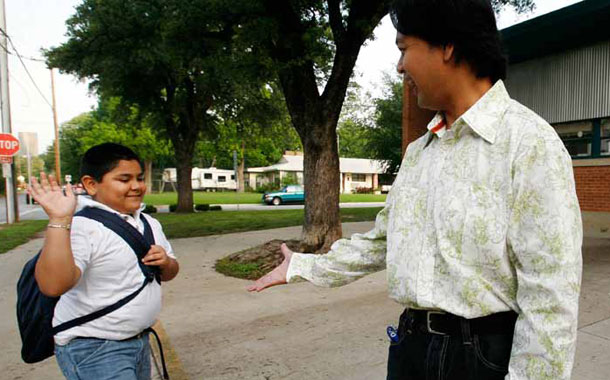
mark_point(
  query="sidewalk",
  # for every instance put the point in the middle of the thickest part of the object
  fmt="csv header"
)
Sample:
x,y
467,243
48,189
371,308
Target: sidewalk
x,y
220,331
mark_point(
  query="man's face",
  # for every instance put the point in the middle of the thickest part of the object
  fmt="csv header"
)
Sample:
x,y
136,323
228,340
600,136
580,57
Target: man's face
x,y
424,67
122,188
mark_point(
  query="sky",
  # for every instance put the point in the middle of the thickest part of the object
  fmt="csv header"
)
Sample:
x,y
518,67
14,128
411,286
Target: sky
x,y
40,24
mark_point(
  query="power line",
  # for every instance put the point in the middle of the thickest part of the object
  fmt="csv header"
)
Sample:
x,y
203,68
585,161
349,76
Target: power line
x,y
23,64
23,56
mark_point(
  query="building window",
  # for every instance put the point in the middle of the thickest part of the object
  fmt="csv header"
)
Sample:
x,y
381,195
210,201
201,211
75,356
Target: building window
x,y
358,177
605,138
207,175
232,177
577,137
222,178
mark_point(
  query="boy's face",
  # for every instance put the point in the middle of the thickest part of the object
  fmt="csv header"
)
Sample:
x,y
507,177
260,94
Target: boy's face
x,y
121,189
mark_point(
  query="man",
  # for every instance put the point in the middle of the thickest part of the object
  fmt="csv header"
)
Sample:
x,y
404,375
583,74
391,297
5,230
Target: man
x,y
481,234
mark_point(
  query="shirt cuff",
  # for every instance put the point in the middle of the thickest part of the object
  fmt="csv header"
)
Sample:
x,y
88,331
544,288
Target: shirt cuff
x,y
300,267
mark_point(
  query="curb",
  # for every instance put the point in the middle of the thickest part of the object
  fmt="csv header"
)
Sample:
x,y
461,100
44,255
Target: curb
x,y
172,361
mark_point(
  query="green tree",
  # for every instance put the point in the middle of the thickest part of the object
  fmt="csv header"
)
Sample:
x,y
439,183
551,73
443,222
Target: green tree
x,y
354,124
108,123
21,166
69,145
258,129
385,137
313,45
172,58
354,139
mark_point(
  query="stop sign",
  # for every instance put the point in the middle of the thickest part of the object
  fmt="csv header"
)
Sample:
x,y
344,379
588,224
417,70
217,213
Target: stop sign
x,y
9,145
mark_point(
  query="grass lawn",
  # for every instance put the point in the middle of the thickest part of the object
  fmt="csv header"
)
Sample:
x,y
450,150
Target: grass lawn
x,y
197,224
218,222
241,198
16,234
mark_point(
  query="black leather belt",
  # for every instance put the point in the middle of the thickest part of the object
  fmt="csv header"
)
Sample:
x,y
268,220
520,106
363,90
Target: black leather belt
x,y
442,323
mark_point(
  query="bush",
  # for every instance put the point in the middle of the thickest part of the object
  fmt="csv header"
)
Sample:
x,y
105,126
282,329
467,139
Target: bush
x,y
266,188
363,190
149,209
202,207
216,208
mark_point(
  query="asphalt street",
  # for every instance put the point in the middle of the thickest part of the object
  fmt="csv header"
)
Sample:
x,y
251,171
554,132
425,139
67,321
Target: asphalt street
x,y
35,212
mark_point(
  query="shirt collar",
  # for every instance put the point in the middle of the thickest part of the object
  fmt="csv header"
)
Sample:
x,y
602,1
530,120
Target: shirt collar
x,y
482,117
87,201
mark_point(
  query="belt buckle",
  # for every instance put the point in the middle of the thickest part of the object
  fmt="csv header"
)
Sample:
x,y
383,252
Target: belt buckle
x,y
428,322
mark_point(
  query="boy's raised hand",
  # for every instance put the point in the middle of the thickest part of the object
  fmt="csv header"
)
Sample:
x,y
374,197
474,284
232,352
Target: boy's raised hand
x,y
276,276
50,196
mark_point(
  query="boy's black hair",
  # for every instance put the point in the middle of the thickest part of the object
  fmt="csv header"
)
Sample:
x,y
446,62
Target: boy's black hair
x,y
470,25
102,158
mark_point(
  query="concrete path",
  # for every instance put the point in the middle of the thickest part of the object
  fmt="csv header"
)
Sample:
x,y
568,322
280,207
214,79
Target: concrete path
x,y
298,331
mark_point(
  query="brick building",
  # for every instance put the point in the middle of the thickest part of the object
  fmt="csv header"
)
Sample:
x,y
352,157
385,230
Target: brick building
x,y
559,66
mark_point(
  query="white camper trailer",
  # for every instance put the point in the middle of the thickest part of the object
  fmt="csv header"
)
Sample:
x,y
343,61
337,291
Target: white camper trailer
x,y
208,179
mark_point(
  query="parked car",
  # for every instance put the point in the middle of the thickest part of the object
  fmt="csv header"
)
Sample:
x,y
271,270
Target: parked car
x,y
287,194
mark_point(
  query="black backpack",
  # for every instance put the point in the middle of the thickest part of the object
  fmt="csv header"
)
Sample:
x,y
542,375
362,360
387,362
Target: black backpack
x,y
35,310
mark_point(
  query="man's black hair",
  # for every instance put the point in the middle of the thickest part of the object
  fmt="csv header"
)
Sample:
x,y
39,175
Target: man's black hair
x,y
102,158
469,25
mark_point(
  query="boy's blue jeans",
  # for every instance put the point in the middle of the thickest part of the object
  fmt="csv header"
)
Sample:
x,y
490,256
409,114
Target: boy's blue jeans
x,y
100,359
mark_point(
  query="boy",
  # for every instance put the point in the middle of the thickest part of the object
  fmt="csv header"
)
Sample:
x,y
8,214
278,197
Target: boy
x,y
92,267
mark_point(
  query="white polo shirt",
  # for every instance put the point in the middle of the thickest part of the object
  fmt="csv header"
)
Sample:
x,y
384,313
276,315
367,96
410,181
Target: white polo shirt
x,y
109,272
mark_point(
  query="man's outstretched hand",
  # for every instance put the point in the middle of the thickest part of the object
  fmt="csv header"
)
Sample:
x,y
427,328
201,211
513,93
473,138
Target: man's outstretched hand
x,y
276,276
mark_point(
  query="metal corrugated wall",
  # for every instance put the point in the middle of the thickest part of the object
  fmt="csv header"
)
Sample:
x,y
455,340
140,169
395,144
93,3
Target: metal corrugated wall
x,y
574,85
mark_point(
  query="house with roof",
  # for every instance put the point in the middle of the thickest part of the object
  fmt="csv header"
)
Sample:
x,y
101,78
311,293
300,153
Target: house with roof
x,y
355,173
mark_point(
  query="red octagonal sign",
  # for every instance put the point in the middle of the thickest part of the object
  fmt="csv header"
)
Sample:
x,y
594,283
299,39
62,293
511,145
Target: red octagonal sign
x,y
9,145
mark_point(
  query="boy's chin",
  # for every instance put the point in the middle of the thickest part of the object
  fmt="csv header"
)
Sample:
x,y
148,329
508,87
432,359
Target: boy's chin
x,y
131,207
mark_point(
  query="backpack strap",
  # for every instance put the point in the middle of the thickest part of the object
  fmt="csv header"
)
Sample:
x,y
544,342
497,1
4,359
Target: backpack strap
x,y
138,243
100,313
140,246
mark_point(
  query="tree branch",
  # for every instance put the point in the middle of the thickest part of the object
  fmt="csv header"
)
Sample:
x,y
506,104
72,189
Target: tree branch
x,y
336,21
363,18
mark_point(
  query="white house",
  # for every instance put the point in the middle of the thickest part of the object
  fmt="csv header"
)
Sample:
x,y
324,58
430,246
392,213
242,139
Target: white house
x,y
355,172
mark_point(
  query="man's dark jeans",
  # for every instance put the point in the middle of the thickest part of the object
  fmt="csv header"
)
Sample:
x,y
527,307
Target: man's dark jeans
x,y
420,355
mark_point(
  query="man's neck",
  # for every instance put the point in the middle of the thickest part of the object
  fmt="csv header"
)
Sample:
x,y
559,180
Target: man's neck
x,y
465,94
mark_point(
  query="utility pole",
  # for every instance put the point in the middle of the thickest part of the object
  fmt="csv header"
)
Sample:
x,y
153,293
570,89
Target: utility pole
x,y
57,162
12,204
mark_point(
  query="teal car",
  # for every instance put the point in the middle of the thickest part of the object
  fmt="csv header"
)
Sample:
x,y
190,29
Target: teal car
x,y
287,194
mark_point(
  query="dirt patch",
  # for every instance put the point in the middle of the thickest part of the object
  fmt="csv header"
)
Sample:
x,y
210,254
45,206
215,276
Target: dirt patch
x,y
254,262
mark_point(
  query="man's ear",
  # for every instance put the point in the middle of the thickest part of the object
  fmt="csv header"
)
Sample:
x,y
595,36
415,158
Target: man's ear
x,y
90,184
448,51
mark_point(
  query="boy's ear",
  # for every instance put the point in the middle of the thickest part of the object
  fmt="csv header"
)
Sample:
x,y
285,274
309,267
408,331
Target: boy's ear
x,y
448,51
90,184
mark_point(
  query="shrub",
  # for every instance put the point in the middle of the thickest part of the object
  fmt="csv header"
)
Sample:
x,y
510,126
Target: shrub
x,y
363,190
149,209
215,208
266,188
202,207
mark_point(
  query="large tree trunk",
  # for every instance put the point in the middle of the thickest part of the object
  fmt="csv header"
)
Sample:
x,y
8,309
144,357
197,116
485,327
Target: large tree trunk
x,y
148,176
321,173
184,169
315,115
241,183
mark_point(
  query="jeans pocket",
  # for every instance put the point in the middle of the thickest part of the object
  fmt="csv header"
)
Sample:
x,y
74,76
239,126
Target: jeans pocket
x,y
493,351
83,350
